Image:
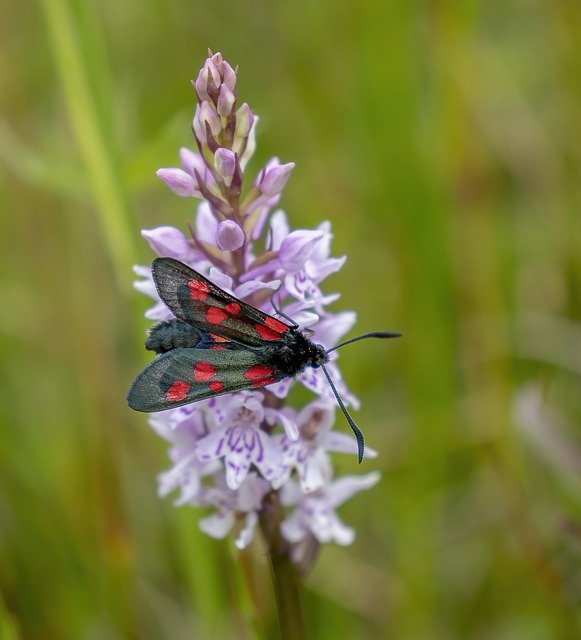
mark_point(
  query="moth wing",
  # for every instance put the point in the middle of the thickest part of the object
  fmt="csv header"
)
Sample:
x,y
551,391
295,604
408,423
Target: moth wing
x,y
196,300
183,376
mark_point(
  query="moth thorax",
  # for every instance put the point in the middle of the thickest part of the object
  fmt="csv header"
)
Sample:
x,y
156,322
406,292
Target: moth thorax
x,y
172,334
295,353
318,355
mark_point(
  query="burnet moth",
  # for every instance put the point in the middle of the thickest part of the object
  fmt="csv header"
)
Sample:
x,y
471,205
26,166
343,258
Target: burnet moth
x,y
218,344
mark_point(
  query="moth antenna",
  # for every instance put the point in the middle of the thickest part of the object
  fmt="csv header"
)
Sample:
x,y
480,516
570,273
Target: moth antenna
x,y
373,334
356,429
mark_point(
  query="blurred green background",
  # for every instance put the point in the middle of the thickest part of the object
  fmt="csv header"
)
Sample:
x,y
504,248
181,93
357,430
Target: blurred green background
x,y
443,141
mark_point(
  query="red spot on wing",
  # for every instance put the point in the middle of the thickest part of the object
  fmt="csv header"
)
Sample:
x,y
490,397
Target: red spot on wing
x,y
215,315
217,347
266,333
203,371
262,382
233,308
257,372
276,325
216,338
216,386
198,290
178,391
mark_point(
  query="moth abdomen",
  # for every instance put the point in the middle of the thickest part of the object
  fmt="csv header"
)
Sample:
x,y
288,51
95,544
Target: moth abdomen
x,y
172,334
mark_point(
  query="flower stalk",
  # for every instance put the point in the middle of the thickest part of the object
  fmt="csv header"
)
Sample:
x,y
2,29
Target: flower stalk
x,y
285,574
252,457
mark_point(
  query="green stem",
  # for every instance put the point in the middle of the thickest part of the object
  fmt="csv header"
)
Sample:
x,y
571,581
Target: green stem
x,y
91,132
240,565
285,577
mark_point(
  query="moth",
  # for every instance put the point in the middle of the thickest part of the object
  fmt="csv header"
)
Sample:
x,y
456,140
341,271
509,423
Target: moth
x,y
218,344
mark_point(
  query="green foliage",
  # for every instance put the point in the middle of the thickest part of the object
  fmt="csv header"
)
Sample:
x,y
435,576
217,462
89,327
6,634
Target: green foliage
x,y
442,141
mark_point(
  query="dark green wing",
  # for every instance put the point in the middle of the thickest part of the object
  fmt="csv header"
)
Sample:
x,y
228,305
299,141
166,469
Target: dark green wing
x,y
194,299
183,376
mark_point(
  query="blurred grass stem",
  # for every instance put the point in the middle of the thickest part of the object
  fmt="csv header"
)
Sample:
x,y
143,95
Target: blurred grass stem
x,y
91,132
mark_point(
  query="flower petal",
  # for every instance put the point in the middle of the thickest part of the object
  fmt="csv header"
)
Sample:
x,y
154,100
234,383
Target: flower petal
x,y
179,181
315,472
206,224
237,466
225,163
341,533
279,229
292,528
296,249
347,486
247,532
344,443
217,525
212,446
168,242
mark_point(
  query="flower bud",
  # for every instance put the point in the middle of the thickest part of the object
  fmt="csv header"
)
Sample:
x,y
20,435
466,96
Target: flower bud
x,y
201,84
244,121
230,236
228,76
179,181
226,100
208,114
225,164
272,182
168,242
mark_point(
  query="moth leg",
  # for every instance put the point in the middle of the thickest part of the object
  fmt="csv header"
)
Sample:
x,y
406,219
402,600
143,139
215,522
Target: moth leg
x,y
279,312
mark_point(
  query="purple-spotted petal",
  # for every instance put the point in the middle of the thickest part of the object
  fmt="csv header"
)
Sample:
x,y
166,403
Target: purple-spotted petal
x,y
212,446
281,389
237,466
269,458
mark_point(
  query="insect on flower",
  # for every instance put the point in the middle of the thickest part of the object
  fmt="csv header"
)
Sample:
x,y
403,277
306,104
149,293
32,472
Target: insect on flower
x,y
218,344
